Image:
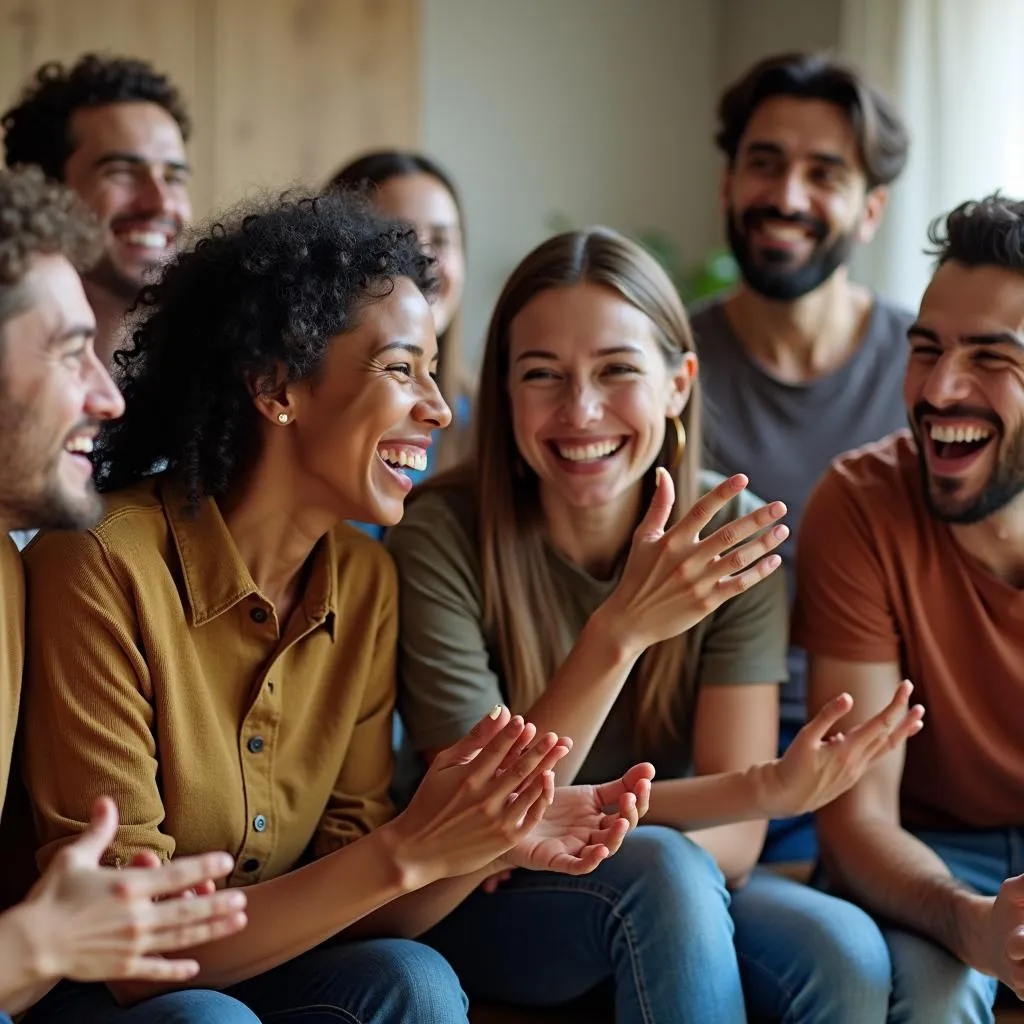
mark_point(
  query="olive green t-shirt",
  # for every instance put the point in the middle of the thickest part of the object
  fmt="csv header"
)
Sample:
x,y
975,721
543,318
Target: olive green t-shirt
x,y
450,669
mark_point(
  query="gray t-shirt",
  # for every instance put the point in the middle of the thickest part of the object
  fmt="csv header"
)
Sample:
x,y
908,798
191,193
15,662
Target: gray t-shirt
x,y
450,671
784,436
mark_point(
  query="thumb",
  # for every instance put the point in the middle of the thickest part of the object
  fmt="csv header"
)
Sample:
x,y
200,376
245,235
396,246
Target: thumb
x,y
463,751
145,859
821,724
652,526
93,842
609,793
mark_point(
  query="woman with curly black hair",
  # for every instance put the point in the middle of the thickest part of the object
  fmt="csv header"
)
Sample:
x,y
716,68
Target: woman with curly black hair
x,y
218,653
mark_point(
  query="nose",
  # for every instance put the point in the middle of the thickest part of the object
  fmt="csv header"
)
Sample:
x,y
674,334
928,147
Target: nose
x,y
103,400
947,382
790,193
433,409
581,404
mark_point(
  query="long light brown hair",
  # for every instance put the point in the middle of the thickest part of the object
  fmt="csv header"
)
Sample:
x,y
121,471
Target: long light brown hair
x,y
521,604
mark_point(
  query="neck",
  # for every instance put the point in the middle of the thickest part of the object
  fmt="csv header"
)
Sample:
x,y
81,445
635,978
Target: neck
x,y
109,310
997,543
275,528
804,338
592,538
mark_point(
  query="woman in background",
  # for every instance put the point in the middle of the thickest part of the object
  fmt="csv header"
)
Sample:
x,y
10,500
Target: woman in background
x,y
556,572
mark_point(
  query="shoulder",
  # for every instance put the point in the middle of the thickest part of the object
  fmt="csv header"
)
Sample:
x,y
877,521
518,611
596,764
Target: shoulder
x,y
707,318
877,484
132,530
890,321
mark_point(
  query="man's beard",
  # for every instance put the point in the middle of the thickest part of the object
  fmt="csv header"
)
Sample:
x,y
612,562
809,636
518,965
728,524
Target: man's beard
x,y
1005,482
31,494
771,273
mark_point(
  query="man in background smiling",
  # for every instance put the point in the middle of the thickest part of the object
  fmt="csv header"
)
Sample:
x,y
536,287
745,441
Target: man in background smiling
x,y
114,131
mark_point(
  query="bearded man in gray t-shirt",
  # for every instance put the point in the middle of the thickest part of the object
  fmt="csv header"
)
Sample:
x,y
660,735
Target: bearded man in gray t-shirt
x,y
798,363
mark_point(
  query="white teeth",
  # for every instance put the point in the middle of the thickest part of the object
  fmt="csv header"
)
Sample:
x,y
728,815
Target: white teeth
x,y
79,445
146,239
403,457
784,232
589,452
937,432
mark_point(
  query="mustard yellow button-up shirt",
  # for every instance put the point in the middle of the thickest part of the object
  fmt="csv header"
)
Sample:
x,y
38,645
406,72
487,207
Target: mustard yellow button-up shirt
x,y
159,674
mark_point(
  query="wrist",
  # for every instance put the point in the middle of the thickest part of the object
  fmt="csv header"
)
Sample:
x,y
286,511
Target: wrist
x,y
613,636
33,944
767,790
973,915
408,867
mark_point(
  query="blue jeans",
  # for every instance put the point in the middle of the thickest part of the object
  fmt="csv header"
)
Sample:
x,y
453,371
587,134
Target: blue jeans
x,y
790,839
654,921
383,981
928,983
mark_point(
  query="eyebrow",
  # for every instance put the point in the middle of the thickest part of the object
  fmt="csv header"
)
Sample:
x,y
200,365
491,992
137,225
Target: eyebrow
x,y
403,346
997,338
137,161
772,148
74,331
614,350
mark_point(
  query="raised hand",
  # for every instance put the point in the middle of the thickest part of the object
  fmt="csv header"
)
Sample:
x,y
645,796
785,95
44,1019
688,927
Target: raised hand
x,y
578,832
818,767
104,924
480,797
673,579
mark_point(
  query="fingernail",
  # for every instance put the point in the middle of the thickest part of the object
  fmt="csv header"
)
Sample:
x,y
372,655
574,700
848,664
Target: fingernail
x,y
780,532
659,475
777,508
495,712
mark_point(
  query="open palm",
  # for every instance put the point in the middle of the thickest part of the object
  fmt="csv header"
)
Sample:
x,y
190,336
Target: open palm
x,y
577,832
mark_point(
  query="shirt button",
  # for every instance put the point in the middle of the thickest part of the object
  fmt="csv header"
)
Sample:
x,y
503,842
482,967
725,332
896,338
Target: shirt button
x,y
258,615
255,744
259,823
251,865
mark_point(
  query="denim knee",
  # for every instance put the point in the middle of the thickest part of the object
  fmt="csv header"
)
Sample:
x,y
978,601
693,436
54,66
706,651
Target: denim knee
x,y
930,984
416,982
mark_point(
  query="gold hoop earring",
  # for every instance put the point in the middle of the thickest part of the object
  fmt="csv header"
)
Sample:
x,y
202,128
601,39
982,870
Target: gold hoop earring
x,y
282,417
680,445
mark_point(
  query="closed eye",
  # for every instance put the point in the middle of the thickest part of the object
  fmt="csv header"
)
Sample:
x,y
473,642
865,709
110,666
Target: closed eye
x,y
403,368
618,369
539,373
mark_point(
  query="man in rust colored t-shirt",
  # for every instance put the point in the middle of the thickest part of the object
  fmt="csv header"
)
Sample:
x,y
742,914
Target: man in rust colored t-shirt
x,y
911,564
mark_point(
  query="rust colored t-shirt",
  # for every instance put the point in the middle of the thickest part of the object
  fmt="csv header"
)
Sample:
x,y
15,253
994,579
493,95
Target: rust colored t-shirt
x,y
879,579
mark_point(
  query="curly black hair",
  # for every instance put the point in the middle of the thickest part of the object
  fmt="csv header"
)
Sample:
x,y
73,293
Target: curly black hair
x,y
985,232
37,129
266,287
40,217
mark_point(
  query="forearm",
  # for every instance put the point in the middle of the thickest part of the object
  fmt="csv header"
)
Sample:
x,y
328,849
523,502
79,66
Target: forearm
x,y
896,876
705,801
24,975
735,848
293,913
417,912
581,693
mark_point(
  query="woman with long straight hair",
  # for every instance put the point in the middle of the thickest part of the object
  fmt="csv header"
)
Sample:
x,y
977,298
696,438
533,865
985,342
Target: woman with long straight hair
x,y
582,567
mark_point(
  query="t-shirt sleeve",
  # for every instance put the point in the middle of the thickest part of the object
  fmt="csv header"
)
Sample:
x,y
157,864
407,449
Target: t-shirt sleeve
x,y
446,684
359,801
746,639
843,608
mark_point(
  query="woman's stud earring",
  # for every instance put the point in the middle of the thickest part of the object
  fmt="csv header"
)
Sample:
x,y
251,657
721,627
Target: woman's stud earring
x,y
282,417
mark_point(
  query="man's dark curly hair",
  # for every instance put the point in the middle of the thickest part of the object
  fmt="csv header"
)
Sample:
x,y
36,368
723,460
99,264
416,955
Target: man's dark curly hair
x,y
882,137
985,232
264,288
40,218
37,129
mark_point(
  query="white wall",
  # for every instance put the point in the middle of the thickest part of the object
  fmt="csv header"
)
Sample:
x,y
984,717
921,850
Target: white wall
x,y
602,110
598,109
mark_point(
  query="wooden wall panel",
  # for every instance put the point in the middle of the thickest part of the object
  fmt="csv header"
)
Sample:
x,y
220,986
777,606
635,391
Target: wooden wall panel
x,y
280,91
